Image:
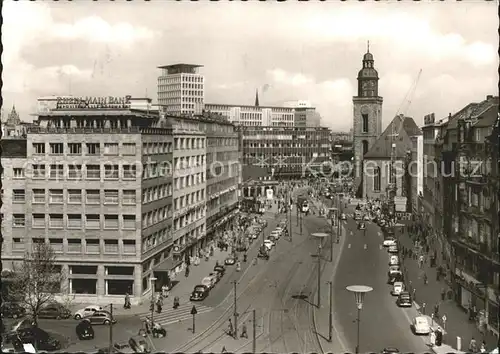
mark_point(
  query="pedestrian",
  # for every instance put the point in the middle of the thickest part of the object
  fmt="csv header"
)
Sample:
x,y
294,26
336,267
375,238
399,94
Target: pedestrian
x,y
473,346
230,328
426,281
433,339
244,331
436,310
483,347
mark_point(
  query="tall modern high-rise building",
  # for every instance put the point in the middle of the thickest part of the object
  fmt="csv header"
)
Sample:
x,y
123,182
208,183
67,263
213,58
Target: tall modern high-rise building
x,y
181,89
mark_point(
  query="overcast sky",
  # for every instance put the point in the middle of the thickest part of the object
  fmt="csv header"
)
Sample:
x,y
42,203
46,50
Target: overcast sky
x,y
303,51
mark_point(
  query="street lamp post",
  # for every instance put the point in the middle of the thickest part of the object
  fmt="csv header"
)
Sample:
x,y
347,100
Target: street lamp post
x,y
359,292
319,236
153,279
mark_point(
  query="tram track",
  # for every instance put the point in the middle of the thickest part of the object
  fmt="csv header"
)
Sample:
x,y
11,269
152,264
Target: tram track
x,y
250,292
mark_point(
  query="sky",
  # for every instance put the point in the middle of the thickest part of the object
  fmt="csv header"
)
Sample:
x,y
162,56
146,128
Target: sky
x,y
288,51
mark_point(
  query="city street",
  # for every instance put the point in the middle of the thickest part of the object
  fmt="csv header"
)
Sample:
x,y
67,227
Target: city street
x,y
383,324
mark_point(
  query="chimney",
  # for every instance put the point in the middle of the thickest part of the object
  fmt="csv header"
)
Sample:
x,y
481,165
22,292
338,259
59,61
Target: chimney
x,y
489,97
449,115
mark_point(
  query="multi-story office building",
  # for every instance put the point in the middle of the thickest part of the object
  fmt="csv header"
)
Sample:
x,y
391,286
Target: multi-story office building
x,y
470,155
189,181
223,173
254,116
306,116
181,89
95,186
283,153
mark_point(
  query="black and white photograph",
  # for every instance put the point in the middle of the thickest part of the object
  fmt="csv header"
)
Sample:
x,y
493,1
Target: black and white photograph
x,y
250,176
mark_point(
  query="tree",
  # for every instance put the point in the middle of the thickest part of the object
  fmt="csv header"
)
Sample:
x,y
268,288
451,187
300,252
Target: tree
x,y
37,279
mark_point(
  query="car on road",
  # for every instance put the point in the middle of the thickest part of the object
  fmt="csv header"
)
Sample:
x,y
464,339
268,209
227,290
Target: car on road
x,y
220,270
397,288
279,230
230,260
393,249
343,216
390,350
388,242
209,281
12,310
36,336
269,244
404,299
393,260
87,311
421,325
395,277
275,235
200,292
101,318
393,269
263,252
54,311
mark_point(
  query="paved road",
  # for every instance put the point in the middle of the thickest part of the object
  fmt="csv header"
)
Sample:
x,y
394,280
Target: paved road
x,y
283,316
383,324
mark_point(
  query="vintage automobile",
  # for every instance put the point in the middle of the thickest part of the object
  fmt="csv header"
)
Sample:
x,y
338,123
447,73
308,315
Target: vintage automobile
x,y
101,318
54,311
209,281
230,260
200,292
84,330
12,310
219,271
404,299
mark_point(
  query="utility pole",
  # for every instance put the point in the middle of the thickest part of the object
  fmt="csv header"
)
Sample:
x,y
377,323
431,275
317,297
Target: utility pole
x,y
330,315
111,329
331,240
235,313
319,275
254,334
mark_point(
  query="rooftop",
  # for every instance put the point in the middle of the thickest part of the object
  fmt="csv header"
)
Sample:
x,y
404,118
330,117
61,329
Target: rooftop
x,y
180,66
251,106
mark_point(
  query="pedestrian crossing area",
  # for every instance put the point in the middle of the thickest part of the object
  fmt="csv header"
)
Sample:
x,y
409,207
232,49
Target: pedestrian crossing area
x,y
170,315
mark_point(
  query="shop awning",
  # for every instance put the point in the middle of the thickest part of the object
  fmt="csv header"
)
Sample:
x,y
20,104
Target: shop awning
x,y
167,265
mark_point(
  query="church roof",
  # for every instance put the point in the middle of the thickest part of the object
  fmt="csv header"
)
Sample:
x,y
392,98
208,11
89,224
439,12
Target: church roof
x,y
405,127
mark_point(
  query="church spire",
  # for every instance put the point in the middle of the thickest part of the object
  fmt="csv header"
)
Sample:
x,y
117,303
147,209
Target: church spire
x,y
368,47
257,98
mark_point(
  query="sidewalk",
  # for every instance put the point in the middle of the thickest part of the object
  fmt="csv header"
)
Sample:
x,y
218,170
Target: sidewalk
x,y
457,323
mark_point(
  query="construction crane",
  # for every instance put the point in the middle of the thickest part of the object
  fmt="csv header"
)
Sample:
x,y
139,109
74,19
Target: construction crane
x,y
395,132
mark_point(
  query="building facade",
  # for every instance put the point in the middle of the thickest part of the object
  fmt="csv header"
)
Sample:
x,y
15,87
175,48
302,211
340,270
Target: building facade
x,y
416,171
285,153
181,89
254,116
379,172
470,154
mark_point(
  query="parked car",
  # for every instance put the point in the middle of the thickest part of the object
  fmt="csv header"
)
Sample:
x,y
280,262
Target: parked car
x,y
397,288
55,311
220,269
12,310
395,277
393,249
390,350
388,242
84,330
209,281
36,336
101,318
87,311
394,260
404,299
269,244
200,292
263,253
421,325
230,260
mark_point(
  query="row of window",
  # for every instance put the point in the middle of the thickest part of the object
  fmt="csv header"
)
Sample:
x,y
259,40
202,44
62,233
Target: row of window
x,y
155,216
77,221
157,238
316,144
223,142
189,161
91,172
77,245
91,149
189,218
77,196
189,180
156,193
189,199
189,143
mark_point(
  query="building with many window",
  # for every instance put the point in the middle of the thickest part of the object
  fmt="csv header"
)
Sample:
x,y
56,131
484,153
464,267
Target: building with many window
x,y
181,89
254,116
471,212
416,171
278,153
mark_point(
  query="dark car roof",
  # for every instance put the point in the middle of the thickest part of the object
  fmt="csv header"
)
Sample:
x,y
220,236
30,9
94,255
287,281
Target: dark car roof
x,y
196,287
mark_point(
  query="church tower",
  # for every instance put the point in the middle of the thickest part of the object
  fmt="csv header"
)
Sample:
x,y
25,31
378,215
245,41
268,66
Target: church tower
x,y
367,114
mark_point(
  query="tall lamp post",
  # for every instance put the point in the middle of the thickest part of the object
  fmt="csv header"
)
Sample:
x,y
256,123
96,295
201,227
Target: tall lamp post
x,y
153,279
359,292
320,236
